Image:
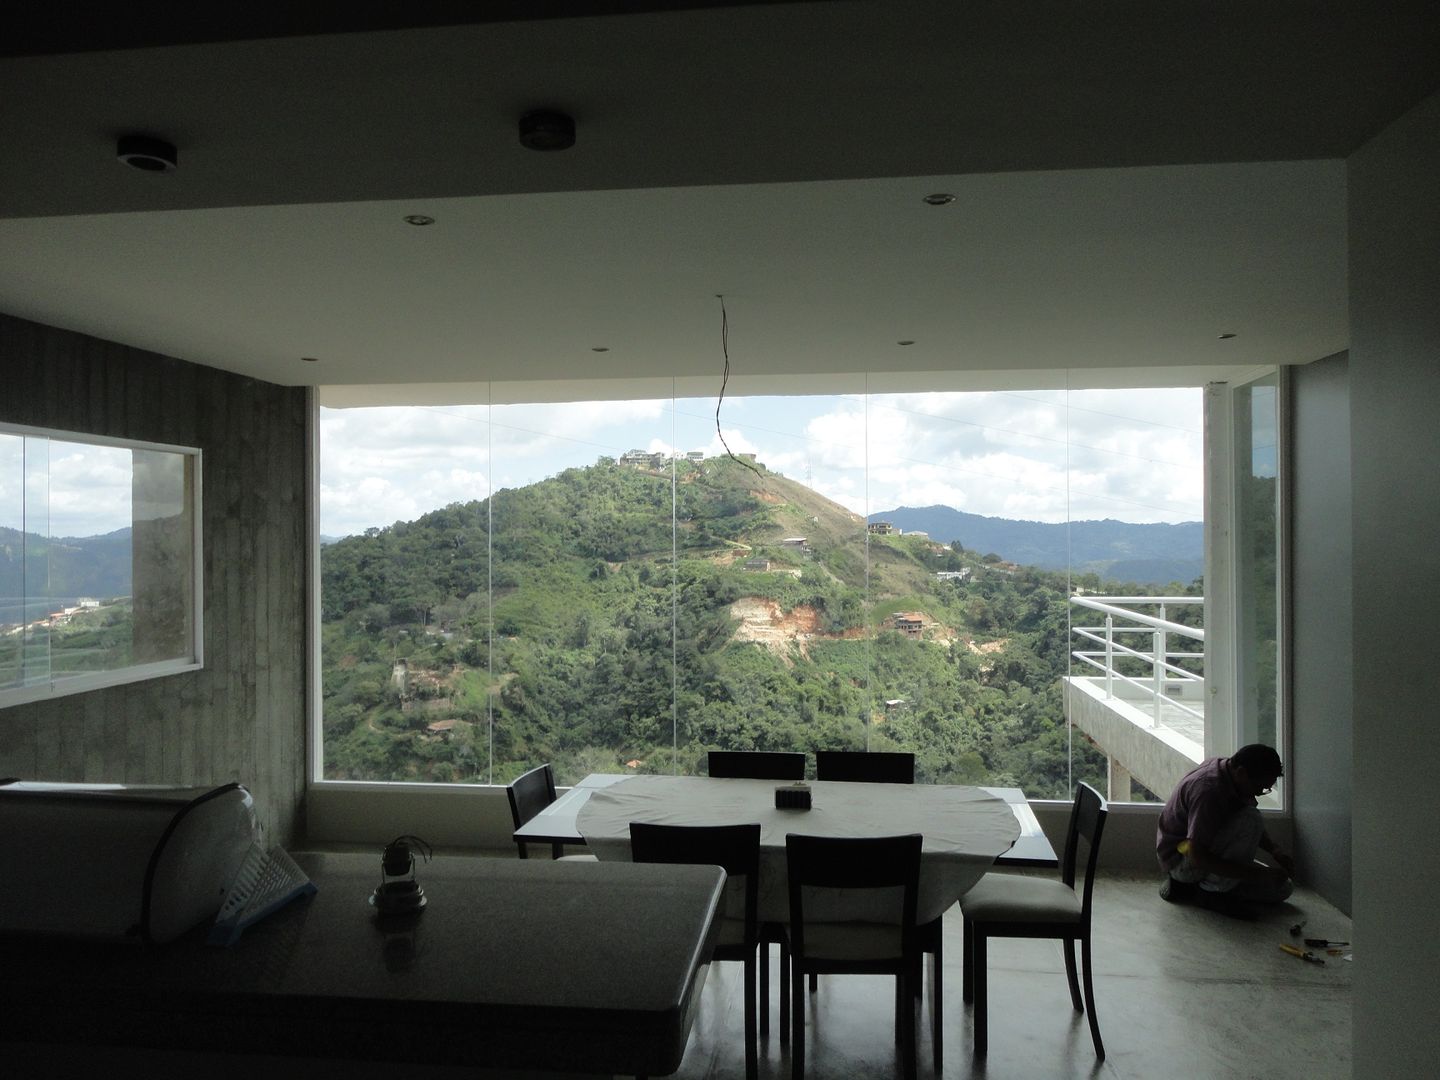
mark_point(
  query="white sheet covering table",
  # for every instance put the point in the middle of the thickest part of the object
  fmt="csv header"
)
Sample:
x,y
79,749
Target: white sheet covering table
x,y
965,828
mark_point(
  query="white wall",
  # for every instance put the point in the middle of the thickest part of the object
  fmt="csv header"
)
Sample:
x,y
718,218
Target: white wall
x,y
1395,446
1319,765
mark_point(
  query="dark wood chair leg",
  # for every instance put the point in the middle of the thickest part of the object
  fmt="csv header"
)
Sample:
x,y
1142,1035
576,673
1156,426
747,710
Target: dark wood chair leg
x,y
967,962
765,988
1090,999
784,993
976,984
907,1021
556,850
814,982
937,968
797,1022
752,1051
1069,946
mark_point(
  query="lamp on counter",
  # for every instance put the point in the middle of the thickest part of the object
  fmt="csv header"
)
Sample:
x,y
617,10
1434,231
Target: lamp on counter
x,y
398,892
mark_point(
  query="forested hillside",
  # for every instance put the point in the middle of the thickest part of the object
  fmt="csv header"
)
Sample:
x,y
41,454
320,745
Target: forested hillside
x,y
776,643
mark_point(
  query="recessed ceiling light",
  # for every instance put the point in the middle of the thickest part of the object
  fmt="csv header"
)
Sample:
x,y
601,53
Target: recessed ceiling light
x,y
310,359
147,153
1226,337
600,348
907,342
419,219
940,198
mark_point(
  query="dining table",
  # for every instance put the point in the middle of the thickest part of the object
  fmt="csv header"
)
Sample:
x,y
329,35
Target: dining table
x,y
964,829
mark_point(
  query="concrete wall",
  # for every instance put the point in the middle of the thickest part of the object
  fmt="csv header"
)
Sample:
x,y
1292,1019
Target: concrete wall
x,y
243,716
1395,447
1320,764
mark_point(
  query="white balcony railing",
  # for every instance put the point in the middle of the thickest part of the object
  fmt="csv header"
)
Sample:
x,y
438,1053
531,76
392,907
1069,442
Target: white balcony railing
x,y
1134,652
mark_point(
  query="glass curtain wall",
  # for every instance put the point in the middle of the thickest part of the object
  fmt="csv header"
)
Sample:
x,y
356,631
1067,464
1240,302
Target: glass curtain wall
x,y
620,586
1256,417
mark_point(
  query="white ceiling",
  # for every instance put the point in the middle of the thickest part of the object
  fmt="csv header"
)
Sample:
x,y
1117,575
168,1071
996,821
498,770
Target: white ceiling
x,y
776,154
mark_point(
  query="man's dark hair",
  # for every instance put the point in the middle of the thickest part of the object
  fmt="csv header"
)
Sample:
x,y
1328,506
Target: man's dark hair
x,y
1257,759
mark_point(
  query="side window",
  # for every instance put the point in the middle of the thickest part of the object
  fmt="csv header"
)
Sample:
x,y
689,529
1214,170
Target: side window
x,y
99,562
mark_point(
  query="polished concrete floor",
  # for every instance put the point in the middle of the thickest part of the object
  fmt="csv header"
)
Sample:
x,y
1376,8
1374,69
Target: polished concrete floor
x,y
1180,992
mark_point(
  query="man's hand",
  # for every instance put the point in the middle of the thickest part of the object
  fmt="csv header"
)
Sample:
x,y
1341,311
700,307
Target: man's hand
x,y
1283,861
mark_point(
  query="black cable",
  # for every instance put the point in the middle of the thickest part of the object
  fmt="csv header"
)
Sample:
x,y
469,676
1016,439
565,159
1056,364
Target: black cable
x,y
724,381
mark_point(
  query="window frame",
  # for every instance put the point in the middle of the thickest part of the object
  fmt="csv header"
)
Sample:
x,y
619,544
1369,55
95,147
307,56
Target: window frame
x,y
509,394
1224,669
84,682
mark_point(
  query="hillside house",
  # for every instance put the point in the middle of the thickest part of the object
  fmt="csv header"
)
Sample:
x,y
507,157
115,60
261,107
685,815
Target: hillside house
x,y
910,623
880,528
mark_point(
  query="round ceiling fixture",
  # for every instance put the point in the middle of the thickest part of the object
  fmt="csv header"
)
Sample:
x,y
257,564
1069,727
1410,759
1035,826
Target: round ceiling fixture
x,y
1226,337
310,359
600,348
147,153
419,219
906,341
547,129
940,198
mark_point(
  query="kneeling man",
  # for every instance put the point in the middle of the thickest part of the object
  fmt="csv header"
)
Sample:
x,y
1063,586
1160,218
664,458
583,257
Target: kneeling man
x,y
1211,828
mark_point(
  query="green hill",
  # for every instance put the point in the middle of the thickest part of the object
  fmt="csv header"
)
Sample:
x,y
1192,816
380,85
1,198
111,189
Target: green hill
x,y
785,636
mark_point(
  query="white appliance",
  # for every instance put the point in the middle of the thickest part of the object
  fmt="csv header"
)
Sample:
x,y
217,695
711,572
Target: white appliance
x,y
119,861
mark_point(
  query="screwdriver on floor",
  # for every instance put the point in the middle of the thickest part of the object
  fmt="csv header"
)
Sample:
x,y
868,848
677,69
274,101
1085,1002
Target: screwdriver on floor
x,y
1308,957
1324,943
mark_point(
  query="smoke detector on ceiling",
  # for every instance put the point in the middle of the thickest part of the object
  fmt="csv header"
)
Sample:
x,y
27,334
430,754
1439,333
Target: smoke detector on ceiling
x,y
547,129
147,153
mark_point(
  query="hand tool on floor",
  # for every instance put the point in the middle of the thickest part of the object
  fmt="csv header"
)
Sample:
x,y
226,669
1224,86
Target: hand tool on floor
x,y
1324,943
1303,954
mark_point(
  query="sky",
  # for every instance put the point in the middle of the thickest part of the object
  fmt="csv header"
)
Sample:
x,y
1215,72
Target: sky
x,y
1132,455
56,488
50,486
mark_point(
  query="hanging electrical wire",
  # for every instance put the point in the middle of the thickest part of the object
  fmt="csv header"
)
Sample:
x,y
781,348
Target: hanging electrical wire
x,y
724,381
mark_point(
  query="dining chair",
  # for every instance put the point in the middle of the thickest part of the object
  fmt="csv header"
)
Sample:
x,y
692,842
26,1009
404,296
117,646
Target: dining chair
x,y
529,793
765,765
854,948
757,764
736,850
878,767
874,766
1008,905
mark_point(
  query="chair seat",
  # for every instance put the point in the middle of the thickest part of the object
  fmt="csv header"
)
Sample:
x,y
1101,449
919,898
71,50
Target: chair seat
x,y
853,941
1010,898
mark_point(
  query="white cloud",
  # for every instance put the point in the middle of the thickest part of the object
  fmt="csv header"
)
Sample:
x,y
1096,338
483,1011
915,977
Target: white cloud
x,y
1128,454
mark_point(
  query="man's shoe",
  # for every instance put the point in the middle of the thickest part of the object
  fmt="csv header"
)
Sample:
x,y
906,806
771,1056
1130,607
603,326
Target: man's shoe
x,y
1177,892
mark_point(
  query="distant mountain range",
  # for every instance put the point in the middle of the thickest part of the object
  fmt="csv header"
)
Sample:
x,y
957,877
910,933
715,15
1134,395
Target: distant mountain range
x,y
1152,554
97,566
